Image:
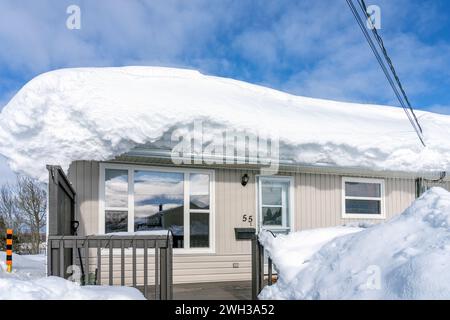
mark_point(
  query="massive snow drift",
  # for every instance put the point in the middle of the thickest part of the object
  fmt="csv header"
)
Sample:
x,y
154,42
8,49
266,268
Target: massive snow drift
x,y
99,113
407,257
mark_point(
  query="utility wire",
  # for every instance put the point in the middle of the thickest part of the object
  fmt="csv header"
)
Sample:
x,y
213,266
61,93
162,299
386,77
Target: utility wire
x,y
380,41
401,96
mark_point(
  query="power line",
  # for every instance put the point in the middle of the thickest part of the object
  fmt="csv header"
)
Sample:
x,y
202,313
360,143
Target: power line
x,y
380,41
401,96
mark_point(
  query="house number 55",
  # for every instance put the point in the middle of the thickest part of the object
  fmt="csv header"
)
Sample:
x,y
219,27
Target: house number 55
x,y
246,218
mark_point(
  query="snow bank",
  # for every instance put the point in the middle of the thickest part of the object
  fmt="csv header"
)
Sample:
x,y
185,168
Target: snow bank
x,y
292,252
407,257
99,113
28,282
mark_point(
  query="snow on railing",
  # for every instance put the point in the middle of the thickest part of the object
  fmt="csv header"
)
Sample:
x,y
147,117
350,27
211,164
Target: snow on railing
x,y
258,264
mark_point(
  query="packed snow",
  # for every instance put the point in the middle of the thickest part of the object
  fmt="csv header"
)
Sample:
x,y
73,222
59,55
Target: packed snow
x,y
99,113
407,257
28,282
25,266
293,251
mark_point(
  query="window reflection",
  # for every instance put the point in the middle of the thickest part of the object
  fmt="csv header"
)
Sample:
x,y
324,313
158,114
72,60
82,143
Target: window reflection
x,y
272,216
358,189
353,206
159,203
199,189
116,221
271,194
199,229
116,188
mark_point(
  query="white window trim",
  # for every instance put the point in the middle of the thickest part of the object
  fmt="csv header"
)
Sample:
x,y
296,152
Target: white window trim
x,y
289,179
346,215
131,168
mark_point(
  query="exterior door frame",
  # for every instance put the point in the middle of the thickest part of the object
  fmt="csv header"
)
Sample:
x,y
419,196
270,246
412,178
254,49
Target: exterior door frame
x,y
291,202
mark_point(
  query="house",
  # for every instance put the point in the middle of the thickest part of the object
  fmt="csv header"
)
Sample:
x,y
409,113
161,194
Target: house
x,y
206,249
129,138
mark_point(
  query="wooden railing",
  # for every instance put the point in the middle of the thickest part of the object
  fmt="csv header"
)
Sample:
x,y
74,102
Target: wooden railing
x,y
258,272
77,248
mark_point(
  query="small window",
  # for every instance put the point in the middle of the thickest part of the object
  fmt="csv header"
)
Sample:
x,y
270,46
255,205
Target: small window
x,y
363,198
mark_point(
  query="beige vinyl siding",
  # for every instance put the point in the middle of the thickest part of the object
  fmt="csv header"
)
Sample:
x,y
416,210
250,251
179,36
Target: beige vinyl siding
x,y
317,202
186,268
84,176
232,202
443,184
446,185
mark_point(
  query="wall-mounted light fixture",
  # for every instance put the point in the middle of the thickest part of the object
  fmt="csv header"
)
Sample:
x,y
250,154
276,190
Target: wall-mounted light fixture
x,y
244,180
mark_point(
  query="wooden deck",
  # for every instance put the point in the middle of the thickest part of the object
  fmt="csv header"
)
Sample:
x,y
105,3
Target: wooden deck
x,y
232,290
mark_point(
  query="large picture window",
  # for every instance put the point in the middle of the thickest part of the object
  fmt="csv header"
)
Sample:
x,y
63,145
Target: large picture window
x,y
147,199
363,198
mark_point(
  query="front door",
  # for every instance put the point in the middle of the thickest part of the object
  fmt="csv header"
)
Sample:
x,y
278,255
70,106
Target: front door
x,y
274,204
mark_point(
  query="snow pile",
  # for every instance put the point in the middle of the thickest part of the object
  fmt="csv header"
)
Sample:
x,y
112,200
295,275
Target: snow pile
x,y
54,288
407,257
99,113
292,252
28,282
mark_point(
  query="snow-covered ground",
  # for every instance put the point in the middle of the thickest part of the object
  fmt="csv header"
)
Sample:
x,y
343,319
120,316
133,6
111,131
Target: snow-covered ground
x,y
407,257
28,282
99,113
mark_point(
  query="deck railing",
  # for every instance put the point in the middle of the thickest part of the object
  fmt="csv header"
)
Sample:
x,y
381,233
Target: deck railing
x,y
78,249
258,268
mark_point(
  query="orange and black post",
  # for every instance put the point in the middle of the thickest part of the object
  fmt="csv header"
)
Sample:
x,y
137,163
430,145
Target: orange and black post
x,y
9,234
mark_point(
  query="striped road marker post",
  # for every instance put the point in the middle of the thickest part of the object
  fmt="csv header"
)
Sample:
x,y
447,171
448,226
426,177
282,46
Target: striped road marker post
x,y
9,240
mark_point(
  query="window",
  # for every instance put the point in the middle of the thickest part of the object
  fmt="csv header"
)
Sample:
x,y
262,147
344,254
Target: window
x,y
363,198
144,199
275,203
159,203
116,200
199,204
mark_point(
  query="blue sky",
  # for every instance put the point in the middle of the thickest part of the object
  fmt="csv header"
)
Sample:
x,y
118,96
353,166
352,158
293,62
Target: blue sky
x,y
310,48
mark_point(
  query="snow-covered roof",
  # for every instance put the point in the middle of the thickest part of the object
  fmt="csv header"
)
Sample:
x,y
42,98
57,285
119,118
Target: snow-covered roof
x,y
99,113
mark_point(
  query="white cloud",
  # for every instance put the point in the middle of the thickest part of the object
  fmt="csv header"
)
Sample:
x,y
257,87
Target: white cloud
x,y
323,42
34,36
6,175
311,48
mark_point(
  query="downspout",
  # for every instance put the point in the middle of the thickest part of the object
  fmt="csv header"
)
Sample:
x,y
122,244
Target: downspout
x,y
419,187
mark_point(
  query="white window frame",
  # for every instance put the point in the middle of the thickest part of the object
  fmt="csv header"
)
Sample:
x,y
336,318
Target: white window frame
x,y
369,216
186,171
290,204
